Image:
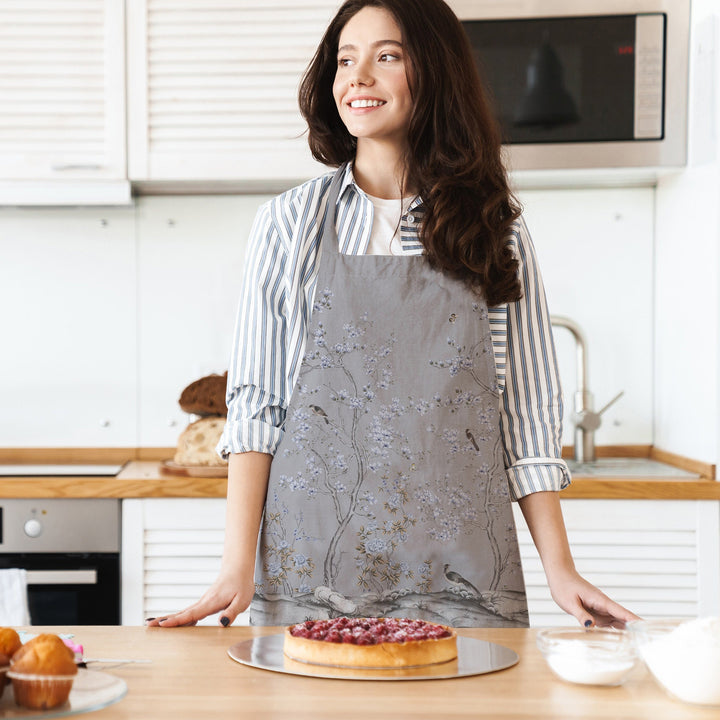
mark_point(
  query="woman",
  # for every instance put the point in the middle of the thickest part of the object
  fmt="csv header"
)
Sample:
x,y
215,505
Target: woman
x,y
393,385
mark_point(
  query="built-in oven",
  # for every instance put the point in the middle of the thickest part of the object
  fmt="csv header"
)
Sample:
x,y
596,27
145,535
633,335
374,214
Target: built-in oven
x,y
70,550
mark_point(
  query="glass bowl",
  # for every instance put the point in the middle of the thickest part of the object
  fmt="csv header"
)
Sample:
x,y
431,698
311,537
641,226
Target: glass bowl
x,y
597,656
682,655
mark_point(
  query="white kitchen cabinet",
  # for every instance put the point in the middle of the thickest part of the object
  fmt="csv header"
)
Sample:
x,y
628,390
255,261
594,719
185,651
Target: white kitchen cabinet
x,y
171,552
213,90
68,370
656,557
62,102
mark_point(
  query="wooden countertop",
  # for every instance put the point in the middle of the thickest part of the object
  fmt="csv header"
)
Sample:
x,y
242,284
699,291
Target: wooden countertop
x,y
141,477
191,677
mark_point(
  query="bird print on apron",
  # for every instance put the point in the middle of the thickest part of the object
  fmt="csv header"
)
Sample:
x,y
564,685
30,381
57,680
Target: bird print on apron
x,y
388,495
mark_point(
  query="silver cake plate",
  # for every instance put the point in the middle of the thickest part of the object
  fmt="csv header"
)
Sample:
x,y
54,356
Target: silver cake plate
x,y
475,657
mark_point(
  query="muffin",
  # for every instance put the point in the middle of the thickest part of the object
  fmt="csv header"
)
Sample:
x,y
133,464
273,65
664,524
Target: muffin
x,y
42,673
9,644
9,641
4,666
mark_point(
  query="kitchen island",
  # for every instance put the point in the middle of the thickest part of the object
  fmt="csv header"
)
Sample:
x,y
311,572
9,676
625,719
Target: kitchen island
x,y
191,676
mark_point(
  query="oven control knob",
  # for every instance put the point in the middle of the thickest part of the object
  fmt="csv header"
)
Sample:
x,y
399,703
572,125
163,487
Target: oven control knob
x,y
33,528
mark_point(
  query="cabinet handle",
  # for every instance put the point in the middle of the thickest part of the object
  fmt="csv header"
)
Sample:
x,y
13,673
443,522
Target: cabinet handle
x,y
76,166
61,577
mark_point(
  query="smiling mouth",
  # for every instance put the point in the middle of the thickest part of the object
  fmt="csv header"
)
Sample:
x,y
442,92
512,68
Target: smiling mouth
x,y
366,103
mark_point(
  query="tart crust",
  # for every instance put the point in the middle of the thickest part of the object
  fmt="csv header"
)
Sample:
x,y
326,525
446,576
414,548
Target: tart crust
x,y
408,653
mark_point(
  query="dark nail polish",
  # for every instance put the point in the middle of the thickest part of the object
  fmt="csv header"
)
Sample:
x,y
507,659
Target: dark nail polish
x,y
224,621
149,619
588,623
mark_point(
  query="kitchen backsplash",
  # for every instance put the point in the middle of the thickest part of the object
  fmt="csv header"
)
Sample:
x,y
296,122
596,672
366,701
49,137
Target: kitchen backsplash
x,y
109,313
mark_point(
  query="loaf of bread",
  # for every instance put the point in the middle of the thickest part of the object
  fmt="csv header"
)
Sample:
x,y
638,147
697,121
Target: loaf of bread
x,y
205,396
196,445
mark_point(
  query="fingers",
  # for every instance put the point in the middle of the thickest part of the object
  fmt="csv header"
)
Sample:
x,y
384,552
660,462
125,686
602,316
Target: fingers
x,y
599,610
207,605
228,615
189,616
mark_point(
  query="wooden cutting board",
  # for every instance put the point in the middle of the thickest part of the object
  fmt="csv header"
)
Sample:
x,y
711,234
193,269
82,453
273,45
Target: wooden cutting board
x,y
168,467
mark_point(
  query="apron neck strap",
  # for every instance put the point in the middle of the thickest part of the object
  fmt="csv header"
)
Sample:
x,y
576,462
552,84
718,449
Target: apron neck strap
x,y
329,242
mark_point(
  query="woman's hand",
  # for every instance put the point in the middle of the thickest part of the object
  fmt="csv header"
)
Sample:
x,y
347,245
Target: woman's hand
x,y
581,599
569,590
233,590
229,595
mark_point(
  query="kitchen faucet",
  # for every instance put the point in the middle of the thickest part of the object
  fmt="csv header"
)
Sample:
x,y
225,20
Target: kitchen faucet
x,y
585,419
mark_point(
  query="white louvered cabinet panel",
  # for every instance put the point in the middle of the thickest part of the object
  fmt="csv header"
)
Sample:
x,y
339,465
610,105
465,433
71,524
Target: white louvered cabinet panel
x,y
658,558
62,103
213,88
171,554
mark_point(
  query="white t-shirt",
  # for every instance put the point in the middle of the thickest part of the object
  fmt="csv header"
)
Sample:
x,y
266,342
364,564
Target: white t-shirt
x,y
385,235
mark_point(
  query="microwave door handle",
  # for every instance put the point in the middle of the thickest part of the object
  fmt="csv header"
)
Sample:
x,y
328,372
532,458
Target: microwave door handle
x,y
61,577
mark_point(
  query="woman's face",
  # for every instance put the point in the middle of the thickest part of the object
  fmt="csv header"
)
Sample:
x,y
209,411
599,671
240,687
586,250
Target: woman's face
x,y
371,88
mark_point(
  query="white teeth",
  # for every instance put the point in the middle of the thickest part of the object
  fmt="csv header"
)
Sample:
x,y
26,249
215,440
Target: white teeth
x,y
366,103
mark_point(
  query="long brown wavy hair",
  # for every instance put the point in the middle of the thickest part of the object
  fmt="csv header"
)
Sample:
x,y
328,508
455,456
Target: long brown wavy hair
x,y
453,156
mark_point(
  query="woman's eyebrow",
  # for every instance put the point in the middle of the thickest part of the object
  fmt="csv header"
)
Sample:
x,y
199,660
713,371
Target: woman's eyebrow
x,y
377,43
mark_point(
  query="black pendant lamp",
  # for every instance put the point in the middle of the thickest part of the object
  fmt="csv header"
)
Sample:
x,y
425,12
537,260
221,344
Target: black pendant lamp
x,y
545,101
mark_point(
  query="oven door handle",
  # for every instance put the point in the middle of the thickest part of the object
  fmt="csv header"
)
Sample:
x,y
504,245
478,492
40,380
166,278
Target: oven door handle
x,y
61,577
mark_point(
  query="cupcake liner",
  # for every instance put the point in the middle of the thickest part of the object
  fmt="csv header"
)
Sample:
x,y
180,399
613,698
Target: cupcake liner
x,y
40,692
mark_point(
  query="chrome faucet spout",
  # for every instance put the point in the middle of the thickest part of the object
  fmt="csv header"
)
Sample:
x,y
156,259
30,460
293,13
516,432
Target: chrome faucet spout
x,y
585,420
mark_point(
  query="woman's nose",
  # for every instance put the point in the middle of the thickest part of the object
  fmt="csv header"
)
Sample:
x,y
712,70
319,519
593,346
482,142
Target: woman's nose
x,y
361,76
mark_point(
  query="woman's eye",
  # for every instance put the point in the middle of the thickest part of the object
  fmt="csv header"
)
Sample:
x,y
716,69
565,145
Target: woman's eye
x,y
344,62
389,57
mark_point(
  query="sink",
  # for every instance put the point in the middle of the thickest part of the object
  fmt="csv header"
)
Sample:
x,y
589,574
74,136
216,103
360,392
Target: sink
x,y
627,468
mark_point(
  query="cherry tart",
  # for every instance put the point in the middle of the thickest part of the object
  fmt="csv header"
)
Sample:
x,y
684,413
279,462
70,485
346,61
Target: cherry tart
x,y
370,642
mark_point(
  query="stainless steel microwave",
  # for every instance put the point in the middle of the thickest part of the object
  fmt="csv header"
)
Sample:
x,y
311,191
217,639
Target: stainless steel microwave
x,y
585,83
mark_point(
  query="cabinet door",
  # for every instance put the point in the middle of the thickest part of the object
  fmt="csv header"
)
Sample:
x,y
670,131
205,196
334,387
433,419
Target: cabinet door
x,y
658,558
62,110
213,89
171,553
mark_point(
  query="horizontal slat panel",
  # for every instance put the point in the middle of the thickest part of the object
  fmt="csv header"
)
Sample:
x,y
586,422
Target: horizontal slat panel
x,y
623,537
164,563
189,108
63,43
180,577
249,5
182,549
53,58
245,55
196,534
650,552
48,6
609,579
624,565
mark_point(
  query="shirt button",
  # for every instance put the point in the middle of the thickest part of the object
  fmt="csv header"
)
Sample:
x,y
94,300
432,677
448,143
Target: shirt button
x,y
411,218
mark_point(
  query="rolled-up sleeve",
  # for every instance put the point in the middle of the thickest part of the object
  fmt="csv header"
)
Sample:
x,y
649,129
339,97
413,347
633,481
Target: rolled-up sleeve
x,y
257,390
531,404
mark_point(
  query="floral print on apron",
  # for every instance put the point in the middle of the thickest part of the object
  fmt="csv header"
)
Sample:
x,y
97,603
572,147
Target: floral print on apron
x,y
388,495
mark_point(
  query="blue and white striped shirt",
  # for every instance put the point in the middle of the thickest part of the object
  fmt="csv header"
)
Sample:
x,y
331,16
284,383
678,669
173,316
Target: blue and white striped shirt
x,y
274,313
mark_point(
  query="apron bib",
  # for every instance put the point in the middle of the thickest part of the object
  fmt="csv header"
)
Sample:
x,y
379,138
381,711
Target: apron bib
x,y
388,495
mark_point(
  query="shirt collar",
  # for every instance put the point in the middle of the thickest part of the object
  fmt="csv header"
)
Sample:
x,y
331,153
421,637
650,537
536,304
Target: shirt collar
x,y
348,184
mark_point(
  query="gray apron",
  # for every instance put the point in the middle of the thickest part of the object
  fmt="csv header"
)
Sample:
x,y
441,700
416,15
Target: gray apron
x,y
388,495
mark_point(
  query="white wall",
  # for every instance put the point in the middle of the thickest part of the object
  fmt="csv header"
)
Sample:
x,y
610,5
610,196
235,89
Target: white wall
x,y
109,313
687,307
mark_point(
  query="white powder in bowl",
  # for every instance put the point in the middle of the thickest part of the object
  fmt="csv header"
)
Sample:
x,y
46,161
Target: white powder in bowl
x,y
686,661
589,666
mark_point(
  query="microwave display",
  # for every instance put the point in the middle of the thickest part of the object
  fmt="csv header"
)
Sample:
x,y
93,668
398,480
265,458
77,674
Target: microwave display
x,y
574,79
